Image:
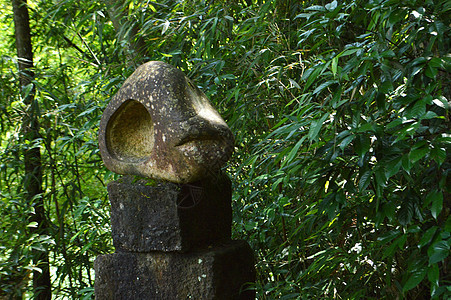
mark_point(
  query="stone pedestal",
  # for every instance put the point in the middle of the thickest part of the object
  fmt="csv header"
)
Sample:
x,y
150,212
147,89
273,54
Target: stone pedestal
x,y
173,242
217,273
163,216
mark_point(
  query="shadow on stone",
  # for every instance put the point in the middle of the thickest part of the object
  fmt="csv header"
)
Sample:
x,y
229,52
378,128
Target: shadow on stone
x,y
220,272
166,216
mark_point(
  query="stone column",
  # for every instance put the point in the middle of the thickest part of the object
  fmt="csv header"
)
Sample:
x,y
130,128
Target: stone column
x,y
173,242
171,216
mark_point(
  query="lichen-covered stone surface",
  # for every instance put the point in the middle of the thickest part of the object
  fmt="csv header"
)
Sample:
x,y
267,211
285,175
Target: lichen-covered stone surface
x,y
219,273
164,216
160,125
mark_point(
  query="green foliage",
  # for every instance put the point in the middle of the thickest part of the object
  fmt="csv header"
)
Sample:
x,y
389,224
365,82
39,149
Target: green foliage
x,y
342,188
341,115
69,104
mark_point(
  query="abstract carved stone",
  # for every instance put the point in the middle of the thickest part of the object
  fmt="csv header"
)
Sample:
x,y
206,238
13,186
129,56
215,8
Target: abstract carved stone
x,y
171,222
160,125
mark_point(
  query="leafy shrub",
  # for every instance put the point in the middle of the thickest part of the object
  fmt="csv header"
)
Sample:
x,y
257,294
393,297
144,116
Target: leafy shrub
x,y
341,115
349,191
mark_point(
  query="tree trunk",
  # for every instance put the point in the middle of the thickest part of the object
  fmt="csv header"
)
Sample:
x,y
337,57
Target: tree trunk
x,y
32,155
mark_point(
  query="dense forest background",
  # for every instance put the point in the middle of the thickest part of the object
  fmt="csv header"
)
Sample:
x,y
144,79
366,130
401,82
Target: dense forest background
x,y
340,110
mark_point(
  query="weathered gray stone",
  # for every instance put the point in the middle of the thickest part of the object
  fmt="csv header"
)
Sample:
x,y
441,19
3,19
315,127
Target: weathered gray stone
x,y
172,226
217,273
160,125
168,216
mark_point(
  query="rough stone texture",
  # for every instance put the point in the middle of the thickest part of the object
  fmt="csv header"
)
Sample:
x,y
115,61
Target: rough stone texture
x,y
217,273
160,125
173,234
168,216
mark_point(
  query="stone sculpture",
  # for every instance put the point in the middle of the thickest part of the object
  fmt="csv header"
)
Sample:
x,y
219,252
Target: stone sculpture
x,y
172,234
160,125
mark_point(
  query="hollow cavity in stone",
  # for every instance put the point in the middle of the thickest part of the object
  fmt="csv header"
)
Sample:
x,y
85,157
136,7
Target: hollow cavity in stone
x,y
130,136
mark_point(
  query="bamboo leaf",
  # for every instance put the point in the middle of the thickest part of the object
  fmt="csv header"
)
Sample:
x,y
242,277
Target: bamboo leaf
x,y
316,127
323,86
334,65
294,151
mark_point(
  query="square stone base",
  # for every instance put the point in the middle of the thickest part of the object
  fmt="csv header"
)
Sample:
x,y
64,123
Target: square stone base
x,y
165,216
220,273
